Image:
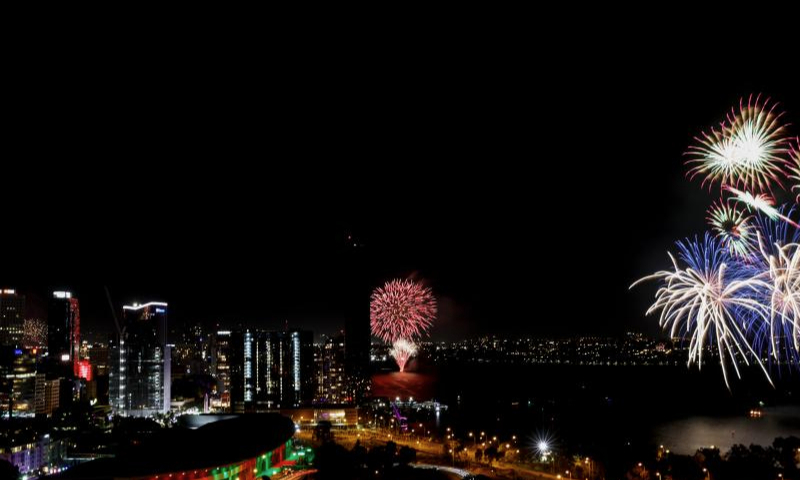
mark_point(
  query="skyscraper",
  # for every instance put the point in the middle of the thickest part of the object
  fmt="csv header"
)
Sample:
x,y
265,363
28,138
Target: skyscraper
x,y
331,372
221,368
140,356
17,380
64,330
271,369
12,314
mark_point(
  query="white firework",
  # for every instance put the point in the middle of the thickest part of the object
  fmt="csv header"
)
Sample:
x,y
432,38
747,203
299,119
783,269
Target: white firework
x,y
710,302
748,150
402,350
784,293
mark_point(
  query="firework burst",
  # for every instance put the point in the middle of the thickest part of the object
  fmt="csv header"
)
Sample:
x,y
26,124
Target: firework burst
x,y
794,166
34,333
747,150
708,302
760,203
401,309
783,263
732,227
401,351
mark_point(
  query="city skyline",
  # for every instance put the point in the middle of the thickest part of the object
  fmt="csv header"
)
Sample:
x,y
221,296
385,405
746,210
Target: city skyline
x,y
483,231
539,255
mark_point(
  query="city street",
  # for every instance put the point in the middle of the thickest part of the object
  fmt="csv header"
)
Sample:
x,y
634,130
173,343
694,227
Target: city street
x,y
429,454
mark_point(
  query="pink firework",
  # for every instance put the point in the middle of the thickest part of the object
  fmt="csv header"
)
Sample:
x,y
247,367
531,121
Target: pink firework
x,y
401,309
401,351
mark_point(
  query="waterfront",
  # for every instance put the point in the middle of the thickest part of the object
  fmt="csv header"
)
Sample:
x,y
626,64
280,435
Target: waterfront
x,y
598,409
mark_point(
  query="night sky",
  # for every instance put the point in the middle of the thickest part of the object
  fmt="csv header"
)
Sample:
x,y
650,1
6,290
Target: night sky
x,y
528,188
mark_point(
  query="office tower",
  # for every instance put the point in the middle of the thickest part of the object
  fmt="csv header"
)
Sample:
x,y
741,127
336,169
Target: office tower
x,y
330,371
220,367
271,370
236,369
17,380
140,356
99,357
64,330
47,394
302,367
12,315
285,368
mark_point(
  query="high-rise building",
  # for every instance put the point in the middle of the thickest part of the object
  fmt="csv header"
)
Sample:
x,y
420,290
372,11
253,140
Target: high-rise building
x,y
236,369
98,356
221,368
271,370
47,394
302,367
330,371
64,330
17,380
12,315
140,357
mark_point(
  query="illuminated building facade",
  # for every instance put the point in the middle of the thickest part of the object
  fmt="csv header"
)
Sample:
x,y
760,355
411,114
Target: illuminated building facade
x,y
271,370
64,329
247,447
85,370
33,456
47,394
17,380
330,371
140,357
221,368
12,315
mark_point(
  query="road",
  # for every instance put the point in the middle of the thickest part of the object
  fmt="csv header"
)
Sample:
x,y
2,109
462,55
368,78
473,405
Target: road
x,y
457,472
430,453
296,475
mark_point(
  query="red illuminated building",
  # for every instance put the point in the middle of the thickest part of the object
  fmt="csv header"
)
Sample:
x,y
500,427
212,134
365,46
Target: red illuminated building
x,y
246,447
84,370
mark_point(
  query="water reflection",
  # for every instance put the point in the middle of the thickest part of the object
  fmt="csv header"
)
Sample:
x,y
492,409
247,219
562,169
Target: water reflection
x,y
688,435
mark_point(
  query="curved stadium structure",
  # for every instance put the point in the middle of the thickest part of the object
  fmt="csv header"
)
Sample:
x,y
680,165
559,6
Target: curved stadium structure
x,y
248,447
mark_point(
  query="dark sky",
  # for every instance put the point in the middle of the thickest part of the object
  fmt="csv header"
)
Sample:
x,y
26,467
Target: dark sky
x,y
528,186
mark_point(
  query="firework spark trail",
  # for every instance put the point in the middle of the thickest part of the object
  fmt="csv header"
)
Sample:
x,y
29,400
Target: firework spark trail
x,y
401,351
401,309
784,293
794,166
739,291
732,227
747,150
761,203
704,300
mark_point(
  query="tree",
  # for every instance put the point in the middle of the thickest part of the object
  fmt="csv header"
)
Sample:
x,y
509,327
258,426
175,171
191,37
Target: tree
x,y
491,454
376,458
478,455
359,454
334,461
7,470
754,462
785,450
322,432
406,455
638,472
